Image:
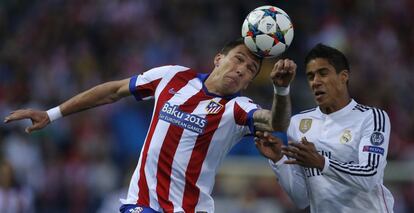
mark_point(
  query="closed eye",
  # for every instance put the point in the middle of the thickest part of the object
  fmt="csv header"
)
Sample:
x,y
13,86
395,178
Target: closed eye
x,y
251,69
239,58
323,72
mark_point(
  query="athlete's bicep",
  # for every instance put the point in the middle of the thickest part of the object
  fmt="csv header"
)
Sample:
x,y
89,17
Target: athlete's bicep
x,y
123,88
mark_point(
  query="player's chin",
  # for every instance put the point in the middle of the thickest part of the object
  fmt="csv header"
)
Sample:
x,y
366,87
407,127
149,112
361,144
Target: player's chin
x,y
320,99
231,88
320,102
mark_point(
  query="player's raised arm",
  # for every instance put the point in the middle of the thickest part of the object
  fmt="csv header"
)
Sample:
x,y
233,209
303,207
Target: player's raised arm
x,y
278,118
105,93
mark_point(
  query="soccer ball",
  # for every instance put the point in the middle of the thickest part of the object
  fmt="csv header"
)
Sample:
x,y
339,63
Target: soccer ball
x,y
267,31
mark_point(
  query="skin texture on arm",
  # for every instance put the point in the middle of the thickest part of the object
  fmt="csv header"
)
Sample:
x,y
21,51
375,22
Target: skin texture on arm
x,y
281,112
278,118
105,93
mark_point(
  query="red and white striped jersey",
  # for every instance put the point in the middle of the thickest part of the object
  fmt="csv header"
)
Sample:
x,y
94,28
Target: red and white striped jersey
x,y
190,133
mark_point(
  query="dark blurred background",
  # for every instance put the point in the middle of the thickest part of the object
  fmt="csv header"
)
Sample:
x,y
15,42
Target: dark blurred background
x,y
53,49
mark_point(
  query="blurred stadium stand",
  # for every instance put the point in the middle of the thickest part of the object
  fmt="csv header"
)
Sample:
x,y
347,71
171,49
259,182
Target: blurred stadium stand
x,y
53,49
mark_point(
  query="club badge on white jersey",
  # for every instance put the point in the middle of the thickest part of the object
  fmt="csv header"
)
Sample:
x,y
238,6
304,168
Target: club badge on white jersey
x,y
345,137
305,125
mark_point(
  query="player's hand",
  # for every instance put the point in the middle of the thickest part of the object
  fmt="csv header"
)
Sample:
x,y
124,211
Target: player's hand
x,y
39,118
304,154
283,72
269,145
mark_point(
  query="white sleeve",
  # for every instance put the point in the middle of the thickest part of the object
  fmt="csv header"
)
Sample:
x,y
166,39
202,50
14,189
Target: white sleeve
x,y
372,151
292,178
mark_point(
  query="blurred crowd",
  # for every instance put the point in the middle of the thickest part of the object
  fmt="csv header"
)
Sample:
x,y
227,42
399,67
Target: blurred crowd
x,y
53,49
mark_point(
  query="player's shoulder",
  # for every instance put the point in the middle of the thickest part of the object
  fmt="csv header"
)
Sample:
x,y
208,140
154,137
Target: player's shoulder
x,y
242,99
165,69
373,118
312,112
173,68
365,111
167,72
243,102
361,109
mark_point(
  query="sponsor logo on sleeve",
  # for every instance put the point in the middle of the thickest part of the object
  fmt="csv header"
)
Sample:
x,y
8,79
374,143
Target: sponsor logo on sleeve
x,y
373,149
305,125
377,138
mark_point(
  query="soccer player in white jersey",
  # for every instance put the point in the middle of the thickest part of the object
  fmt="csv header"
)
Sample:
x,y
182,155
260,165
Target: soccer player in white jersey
x,y
337,152
197,119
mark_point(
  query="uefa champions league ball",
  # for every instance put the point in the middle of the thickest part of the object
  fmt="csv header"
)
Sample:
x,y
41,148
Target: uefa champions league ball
x,y
267,31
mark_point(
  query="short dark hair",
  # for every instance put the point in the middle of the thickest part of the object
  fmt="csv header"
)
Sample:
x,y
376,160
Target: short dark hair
x,y
234,43
230,45
335,57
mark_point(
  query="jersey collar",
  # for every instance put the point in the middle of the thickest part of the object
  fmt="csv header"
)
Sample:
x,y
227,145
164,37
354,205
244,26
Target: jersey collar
x,y
341,112
203,77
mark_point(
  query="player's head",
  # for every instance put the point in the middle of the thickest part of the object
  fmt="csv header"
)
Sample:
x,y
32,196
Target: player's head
x,y
327,72
233,44
235,66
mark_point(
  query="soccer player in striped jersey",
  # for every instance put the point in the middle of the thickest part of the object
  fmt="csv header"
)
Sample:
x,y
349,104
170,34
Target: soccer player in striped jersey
x,y
337,152
197,119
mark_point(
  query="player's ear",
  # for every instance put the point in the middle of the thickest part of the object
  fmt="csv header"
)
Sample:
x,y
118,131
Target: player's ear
x,y
344,74
217,59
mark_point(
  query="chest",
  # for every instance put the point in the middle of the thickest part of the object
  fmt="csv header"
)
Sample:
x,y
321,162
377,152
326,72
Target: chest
x,y
194,111
332,136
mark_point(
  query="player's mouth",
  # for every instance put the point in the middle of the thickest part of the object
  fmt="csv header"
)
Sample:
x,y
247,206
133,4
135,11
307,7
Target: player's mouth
x,y
319,94
232,79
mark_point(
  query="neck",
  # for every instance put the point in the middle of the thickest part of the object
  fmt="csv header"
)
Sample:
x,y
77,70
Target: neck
x,y
338,105
212,85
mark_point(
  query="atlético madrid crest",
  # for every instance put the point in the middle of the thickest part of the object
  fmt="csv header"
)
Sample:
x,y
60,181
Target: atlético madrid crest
x,y
213,107
305,125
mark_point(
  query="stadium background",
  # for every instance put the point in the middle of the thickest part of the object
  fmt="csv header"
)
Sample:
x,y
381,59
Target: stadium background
x,y
53,49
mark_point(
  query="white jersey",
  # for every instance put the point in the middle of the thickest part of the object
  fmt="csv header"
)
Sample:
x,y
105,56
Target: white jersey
x,y
354,141
190,133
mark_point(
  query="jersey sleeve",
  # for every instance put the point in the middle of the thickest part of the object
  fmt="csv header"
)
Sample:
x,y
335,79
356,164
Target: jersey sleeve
x,y
372,154
292,177
144,85
244,109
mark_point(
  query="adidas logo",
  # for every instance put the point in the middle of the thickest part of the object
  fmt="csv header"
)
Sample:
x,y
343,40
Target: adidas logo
x,y
269,26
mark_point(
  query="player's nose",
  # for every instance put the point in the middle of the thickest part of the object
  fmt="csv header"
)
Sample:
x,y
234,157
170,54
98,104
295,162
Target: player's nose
x,y
316,81
240,72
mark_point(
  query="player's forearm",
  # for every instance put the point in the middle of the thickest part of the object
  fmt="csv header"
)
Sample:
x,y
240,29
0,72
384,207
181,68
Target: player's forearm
x,y
281,112
364,176
99,95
